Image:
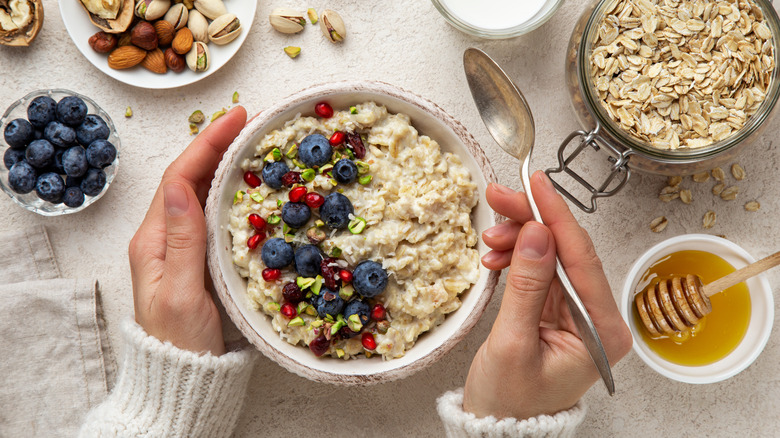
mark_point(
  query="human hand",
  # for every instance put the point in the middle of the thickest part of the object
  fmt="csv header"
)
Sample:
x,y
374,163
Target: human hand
x,y
168,252
533,362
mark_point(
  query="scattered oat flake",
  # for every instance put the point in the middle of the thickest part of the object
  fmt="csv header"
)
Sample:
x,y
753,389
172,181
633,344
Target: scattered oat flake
x,y
709,219
686,197
668,197
719,174
674,181
659,224
701,177
730,193
717,189
738,172
752,206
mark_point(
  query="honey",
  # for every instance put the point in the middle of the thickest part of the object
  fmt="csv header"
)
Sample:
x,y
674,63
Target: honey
x,y
718,333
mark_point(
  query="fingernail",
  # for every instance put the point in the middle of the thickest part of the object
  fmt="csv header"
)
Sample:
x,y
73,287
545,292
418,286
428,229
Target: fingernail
x,y
501,189
534,241
176,201
543,178
497,230
490,257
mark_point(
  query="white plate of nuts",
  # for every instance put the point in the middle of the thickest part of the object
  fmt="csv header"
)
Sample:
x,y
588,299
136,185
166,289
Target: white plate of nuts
x,y
178,43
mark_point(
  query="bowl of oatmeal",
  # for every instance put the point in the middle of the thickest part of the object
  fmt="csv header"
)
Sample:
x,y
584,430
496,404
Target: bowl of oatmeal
x,y
344,229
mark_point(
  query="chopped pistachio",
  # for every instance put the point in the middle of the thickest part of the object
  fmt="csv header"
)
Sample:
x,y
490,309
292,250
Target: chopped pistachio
x,y
328,318
308,175
296,322
326,168
273,219
277,154
292,51
285,228
319,223
289,238
302,307
317,286
128,112
309,295
235,97
298,164
217,115
194,129
368,354
357,225
257,197
317,323
335,252
365,179
350,154
362,167
304,282
316,235
279,203
310,310
340,353
353,110
196,117
314,18
292,152
238,197
272,307
337,326
346,292
382,326
354,323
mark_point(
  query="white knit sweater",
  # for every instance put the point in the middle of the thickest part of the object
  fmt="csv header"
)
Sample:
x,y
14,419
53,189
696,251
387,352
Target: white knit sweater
x,y
163,391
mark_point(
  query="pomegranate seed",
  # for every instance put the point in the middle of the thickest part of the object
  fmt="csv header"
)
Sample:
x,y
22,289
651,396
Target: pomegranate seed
x,y
271,274
314,200
346,276
378,312
256,221
288,310
292,293
290,178
337,138
324,110
297,194
319,345
330,273
369,343
255,240
252,179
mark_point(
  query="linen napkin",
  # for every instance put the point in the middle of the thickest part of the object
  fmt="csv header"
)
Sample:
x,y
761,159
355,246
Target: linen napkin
x,y
56,361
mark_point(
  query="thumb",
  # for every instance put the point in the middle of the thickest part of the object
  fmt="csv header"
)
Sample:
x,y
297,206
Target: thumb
x,y
528,283
185,252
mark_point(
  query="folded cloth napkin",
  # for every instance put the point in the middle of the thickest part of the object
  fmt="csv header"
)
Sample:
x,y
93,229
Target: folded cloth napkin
x,y
56,360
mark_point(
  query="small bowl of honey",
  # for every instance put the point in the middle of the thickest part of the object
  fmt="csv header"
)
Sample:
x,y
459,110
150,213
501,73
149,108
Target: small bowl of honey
x,y
723,342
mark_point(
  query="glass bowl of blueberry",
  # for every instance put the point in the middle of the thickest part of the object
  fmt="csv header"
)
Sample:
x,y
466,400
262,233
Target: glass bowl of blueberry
x,y
60,152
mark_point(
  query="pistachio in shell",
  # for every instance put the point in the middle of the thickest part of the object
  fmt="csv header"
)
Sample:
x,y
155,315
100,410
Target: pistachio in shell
x,y
287,20
199,26
20,21
333,26
198,58
117,25
224,29
177,15
211,9
151,9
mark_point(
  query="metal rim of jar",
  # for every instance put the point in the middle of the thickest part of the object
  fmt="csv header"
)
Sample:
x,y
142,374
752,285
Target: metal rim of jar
x,y
588,91
509,32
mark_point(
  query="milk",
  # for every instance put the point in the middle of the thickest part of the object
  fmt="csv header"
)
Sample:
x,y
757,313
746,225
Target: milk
x,y
494,14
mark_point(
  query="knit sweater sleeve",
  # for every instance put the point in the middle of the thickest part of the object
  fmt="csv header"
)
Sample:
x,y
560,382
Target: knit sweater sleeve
x,y
458,423
164,391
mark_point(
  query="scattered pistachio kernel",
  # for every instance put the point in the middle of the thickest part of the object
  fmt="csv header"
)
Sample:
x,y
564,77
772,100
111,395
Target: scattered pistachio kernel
x,y
362,167
686,197
273,219
313,17
717,189
335,252
701,177
279,203
738,172
317,286
298,164
709,219
238,197
272,307
235,97
296,322
217,115
316,235
357,225
311,311
719,174
301,307
317,323
340,353
354,323
194,129
365,179
128,112
752,206
308,175
326,168
292,152
353,110
304,282
346,292
337,326
292,51
659,224
196,117
257,197
319,223
730,193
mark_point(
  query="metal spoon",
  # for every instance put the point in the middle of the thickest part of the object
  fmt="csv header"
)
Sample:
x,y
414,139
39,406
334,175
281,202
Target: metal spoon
x,y
508,119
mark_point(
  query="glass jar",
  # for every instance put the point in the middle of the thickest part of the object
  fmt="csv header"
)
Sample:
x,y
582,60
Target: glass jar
x,y
626,151
461,23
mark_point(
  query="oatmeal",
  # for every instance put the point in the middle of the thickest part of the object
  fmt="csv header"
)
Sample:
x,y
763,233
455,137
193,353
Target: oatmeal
x,y
381,232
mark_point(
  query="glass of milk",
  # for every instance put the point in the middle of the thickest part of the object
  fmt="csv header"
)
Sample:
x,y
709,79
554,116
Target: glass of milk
x,y
497,18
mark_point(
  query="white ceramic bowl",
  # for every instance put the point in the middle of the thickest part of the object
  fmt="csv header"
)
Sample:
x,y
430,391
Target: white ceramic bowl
x,y
429,120
761,311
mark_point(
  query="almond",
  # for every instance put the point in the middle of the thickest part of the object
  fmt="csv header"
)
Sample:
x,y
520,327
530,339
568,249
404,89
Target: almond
x,y
155,61
182,42
165,32
125,57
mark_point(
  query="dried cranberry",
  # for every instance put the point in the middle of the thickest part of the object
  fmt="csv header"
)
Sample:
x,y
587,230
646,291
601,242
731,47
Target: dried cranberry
x,y
256,221
288,310
347,333
297,194
290,178
330,273
251,179
319,345
378,312
345,276
324,110
337,138
292,293
314,200
369,343
255,240
271,274
356,143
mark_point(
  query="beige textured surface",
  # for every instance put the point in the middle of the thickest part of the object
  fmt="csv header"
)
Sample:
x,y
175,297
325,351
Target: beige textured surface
x,y
408,44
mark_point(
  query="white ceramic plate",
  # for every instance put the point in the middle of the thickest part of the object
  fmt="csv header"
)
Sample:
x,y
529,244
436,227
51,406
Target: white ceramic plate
x,y
80,29
429,120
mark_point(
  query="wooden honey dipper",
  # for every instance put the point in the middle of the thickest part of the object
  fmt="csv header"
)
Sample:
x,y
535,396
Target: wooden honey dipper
x,y
677,304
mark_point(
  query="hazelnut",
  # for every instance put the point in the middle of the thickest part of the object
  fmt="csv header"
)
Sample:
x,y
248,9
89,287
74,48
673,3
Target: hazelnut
x,y
144,36
102,42
165,32
174,61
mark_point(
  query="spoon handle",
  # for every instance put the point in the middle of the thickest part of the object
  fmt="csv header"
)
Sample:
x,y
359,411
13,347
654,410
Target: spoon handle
x,y
582,320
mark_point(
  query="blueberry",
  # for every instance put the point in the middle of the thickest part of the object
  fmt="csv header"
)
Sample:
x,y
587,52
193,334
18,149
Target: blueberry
x,y
59,135
41,111
277,253
93,128
73,197
335,210
101,153
21,177
296,214
18,133
71,110
12,156
50,187
37,134
328,303
345,171
273,173
75,161
369,279
307,261
93,182
315,150
56,165
40,154
71,181
359,308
